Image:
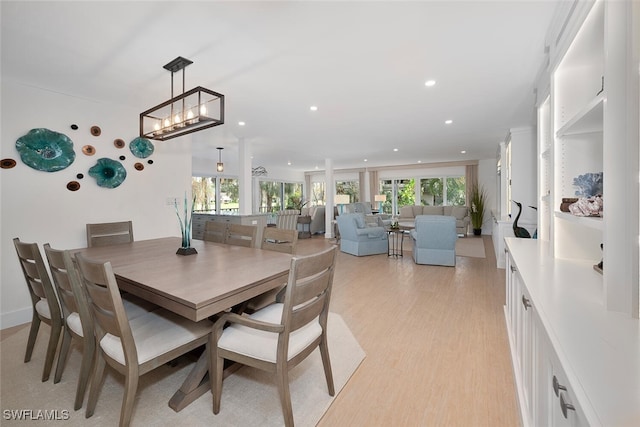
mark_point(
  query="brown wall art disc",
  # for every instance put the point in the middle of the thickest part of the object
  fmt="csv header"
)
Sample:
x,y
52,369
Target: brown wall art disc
x,y
119,143
7,163
95,130
89,150
73,186
139,166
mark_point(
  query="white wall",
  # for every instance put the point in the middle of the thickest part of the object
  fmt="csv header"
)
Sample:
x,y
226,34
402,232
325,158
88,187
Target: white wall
x,y
36,205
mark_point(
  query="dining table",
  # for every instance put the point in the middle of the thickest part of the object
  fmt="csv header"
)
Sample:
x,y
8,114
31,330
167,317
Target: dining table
x,y
216,278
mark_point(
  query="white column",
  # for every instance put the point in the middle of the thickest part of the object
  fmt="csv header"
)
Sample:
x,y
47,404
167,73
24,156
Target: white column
x,y
244,177
330,192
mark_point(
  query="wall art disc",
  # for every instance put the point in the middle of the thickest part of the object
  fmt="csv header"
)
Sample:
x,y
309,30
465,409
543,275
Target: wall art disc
x,y
7,163
108,173
89,150
95,130
45,150
139,166
141,148
119,143
73,186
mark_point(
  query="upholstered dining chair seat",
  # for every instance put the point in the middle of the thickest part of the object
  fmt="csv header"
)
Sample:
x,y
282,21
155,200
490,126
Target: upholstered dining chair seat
x,y
155,333
132,309
263,345
42,307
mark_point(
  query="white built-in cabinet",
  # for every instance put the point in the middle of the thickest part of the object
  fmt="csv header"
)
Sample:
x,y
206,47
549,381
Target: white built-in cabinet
x,y
574,332
516,181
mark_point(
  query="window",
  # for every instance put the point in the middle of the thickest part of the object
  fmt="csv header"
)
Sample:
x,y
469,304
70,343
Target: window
x,y
204,191
399,192
317,191
208,200
277,195
450,191
351,188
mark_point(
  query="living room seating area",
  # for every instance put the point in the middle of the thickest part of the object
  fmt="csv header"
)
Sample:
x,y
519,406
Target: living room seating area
x,y
461,214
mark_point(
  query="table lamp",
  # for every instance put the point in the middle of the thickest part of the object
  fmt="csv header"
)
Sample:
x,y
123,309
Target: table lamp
x,y
341,200
380,198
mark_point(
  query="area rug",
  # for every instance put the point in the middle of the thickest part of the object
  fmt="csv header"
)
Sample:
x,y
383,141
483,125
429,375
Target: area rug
x,y
249,396
470,247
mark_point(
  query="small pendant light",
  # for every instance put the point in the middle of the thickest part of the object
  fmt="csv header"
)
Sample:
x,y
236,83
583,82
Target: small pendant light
x,y
220,165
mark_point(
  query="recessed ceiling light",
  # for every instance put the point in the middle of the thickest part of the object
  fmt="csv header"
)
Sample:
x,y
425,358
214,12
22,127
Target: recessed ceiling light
x,y
317,168
365,160
289,163
241,123
448,122
430,83
419,161
313,108
395,149
463,152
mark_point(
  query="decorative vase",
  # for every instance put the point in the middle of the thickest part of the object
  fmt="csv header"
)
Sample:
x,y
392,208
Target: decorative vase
x,y
477,231
185,228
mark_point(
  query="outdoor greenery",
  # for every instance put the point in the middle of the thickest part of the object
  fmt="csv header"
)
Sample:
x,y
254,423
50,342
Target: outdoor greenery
x,y
478,200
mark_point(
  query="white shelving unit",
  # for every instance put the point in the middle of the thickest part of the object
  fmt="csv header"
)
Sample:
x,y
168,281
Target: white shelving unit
x,y
565,320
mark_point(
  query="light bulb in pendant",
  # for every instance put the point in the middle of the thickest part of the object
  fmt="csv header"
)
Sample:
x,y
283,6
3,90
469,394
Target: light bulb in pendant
x,y
176,119
167,123
203,110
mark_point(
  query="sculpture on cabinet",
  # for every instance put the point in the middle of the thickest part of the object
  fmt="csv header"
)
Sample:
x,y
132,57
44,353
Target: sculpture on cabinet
x,y
519,231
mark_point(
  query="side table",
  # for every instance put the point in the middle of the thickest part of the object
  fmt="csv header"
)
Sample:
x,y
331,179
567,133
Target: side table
x,y
304,220
396,239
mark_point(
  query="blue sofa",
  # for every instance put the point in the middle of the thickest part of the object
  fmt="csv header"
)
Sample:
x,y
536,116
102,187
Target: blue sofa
x,y
356,238
434,240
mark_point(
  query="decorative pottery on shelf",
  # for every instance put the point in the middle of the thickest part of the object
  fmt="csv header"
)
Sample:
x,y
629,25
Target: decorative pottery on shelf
x,y
589,184
46,150
141,148
185,227
108,173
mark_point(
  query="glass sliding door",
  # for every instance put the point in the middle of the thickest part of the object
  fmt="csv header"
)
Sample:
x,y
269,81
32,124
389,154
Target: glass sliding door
x,y
203,189
399,192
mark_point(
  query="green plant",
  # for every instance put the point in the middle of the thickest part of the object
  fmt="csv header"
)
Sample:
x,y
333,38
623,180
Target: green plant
x,y
478,200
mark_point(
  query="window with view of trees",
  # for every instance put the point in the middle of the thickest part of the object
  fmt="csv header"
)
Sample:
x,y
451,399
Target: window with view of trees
x,y
204,193
317,194
351,188
277,195
450,191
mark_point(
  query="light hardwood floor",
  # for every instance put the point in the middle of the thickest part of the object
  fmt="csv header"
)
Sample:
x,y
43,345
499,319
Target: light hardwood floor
x,y
435,339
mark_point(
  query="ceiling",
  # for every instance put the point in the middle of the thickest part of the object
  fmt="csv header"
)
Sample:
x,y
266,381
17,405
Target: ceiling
x,y
363,64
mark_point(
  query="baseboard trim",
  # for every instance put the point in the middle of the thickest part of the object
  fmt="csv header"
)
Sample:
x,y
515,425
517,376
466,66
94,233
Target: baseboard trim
x,y
15,318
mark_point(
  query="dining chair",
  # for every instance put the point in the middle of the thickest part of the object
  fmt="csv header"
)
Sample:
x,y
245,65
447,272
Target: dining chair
x,y
242,235
215,231
78,320
288,219
279,240
46,307
109,233
281,335
132,347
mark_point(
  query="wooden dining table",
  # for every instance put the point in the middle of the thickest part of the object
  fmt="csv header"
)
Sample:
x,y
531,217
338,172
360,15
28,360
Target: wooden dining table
x,y
195,286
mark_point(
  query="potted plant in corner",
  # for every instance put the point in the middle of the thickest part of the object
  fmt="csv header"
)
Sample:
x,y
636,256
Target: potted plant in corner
x,y
478,199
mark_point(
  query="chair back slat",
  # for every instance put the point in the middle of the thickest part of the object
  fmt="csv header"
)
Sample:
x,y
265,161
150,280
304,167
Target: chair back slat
x,y
215,231
106,304
67,280
110,233
309,289
242,235
37,276
61,279
279,240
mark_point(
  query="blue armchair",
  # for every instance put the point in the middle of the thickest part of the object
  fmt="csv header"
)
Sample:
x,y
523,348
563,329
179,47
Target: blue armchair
x,y
356,238
434,240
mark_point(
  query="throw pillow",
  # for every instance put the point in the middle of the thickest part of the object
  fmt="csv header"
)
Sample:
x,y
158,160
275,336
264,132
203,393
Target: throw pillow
x,y
460,212
360,223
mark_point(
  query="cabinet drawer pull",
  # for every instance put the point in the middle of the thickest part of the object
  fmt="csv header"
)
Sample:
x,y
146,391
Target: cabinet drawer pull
x,y
513,269
564,406
527,303
557,386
